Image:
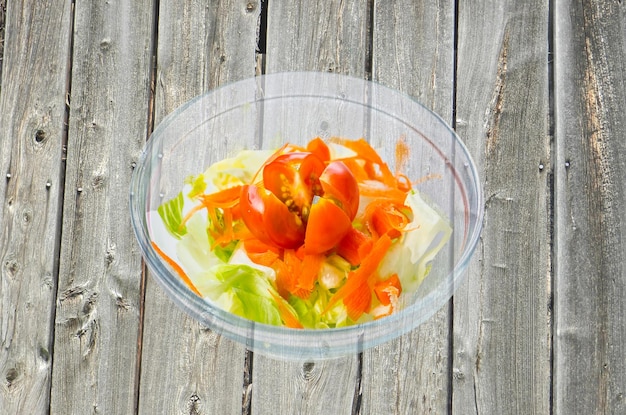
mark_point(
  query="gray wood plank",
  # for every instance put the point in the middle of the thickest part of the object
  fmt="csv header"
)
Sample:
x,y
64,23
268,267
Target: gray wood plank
x,y
3,12
32,120
501,360
317,36
590,243
99,299
413,51
187,368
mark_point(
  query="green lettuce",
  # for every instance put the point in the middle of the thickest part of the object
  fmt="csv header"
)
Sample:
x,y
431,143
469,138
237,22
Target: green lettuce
x,y
171,214
411,257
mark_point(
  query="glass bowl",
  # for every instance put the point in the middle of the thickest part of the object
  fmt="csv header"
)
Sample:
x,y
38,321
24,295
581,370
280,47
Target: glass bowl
x,y
264,113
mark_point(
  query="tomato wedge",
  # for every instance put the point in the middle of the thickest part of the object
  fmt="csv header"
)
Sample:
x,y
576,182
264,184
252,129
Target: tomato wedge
x,y
328,224
270,220
339,184
294,179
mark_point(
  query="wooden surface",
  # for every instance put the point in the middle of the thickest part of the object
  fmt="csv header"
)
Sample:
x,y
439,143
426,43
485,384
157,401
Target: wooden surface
x,y
535,89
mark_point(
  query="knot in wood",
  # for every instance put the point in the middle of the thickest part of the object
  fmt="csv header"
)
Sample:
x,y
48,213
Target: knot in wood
x,y
40,136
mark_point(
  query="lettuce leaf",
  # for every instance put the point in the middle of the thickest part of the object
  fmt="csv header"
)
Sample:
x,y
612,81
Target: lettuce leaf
x,y
171,214
411,257
246,292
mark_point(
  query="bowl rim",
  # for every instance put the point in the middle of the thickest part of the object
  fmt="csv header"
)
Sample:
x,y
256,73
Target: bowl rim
x,y
273,340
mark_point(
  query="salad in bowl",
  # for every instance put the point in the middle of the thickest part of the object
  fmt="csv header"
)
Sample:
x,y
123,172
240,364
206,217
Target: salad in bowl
x,y
306,214
321,236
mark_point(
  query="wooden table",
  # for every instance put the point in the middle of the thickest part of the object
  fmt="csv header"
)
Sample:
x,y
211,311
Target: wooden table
x,y
537,91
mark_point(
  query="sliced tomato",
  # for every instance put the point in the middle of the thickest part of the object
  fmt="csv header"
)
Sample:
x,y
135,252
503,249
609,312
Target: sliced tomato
x,y
269,220
294,179
252,209
339,184
285,228
328,224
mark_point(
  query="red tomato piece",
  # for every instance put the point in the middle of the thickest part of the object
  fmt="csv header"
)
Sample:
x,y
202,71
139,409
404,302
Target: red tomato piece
x,y
328,224
269,220
339,184
283,227
294,179
252,209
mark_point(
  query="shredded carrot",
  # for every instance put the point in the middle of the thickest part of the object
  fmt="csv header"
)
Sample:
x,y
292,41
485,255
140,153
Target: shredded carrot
x,y
390,193
191,212
358,301
363,149
177,268
266,259
309,269
362,273
388,290
318,147
286,315
385,217
351,246
287,271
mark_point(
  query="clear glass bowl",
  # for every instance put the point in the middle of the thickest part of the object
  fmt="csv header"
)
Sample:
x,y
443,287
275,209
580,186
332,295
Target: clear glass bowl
x,y
264,113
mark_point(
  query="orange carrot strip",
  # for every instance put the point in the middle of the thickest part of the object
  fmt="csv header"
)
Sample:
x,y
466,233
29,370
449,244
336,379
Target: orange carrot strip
x,y
390,193
361,274
287,271
318,147
310,268
284,284
387,219
177,268
387,289
191,212
358,301
362,148
224,198
351,244
263,258
286,315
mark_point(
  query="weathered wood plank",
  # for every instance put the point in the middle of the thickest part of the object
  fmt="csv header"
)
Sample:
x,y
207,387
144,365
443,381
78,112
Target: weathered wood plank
x,y
413,51
187,368
502,313
3,12
32,120
317,36
590,244
99,300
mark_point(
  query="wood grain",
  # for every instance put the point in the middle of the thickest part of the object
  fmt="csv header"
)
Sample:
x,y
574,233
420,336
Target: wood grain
x,y
3,12
413,52
32,120
590,279
317,36
99,300
187,368
502,321
324,36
